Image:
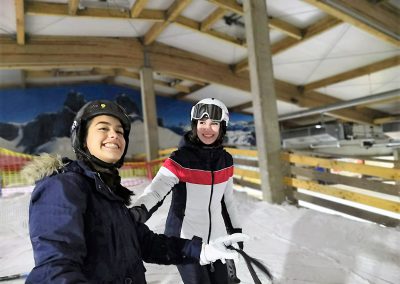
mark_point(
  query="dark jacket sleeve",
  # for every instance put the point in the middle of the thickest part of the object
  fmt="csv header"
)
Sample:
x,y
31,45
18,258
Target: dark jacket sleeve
x,y
158,248
57,231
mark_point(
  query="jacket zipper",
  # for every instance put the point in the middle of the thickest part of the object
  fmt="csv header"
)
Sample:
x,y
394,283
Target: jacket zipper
x,y
209,204
109,189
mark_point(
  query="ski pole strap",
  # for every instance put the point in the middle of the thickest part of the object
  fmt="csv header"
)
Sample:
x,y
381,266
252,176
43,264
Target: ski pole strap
x,y
13,277
250,261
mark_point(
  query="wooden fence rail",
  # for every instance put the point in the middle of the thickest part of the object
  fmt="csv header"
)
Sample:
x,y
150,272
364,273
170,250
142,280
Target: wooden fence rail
x,y
319,181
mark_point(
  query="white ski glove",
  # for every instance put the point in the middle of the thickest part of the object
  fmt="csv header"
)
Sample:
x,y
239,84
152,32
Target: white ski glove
x,y
217,249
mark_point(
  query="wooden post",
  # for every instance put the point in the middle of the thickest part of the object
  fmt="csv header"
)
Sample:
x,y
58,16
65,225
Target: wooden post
x,y
264,101
396,161
149,113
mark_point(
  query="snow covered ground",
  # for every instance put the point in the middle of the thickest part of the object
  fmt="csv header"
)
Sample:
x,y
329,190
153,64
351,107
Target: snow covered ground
x,y
298,245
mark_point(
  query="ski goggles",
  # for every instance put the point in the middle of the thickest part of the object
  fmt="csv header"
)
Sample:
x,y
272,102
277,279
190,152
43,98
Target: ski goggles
x,y
213,112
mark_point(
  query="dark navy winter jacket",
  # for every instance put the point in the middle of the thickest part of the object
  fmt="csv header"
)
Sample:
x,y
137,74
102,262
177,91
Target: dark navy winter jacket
x,y
81,232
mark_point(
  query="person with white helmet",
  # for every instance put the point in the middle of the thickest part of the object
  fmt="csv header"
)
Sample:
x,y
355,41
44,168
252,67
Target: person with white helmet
x,y
200,176
80,227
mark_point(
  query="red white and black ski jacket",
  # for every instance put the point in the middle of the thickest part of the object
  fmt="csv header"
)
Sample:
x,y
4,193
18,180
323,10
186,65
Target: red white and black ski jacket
x,y
201,181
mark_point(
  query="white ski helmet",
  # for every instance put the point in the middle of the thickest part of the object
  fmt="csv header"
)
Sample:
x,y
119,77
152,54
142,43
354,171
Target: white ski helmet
x,y
213,108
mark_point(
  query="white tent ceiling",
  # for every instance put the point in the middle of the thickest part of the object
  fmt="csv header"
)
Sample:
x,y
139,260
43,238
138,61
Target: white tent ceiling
x,y
301,60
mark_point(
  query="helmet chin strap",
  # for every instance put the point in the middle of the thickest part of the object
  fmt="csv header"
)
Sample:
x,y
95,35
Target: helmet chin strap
x,y
97,161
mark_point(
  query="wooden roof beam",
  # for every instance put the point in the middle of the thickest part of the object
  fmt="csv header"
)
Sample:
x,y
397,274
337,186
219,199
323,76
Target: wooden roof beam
x,y
196,27
212,19
274,23
374,19
386,119
109,72
172,13
354,73
73,7
192,89
20,17
57,9
138,7
285,28
313,30
241,107
230,5
63,52
183,78
394,101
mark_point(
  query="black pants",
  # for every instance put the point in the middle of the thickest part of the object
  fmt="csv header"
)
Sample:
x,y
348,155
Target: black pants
x,y
195,273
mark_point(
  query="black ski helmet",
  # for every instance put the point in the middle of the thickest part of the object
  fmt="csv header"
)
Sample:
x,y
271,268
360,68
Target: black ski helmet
x,y
89,111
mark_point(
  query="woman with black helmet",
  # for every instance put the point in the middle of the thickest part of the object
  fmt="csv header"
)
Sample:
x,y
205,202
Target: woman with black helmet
x,y
200,176
80,228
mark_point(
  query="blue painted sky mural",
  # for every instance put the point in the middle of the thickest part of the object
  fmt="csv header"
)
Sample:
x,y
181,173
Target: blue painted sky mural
x,y
22,105
37,120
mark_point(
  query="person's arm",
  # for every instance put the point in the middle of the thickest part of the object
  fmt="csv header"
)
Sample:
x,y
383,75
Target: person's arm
x,y
160,249
56,230
229,211
154,194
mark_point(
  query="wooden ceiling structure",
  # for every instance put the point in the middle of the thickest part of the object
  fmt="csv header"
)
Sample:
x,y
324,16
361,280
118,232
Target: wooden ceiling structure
x,y
77,57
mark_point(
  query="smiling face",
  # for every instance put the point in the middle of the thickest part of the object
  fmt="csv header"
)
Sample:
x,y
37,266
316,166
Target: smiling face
x,y
208,130
105,138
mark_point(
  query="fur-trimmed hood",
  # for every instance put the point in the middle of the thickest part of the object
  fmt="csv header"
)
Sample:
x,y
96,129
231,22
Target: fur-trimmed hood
x,y
42,166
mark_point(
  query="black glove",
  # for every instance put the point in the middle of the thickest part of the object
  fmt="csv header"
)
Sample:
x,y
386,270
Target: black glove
x,y
231,268
139,214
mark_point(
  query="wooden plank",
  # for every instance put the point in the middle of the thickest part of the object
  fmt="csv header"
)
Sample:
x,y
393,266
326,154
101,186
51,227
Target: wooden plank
x,y
138,7
357,72
363,183
380,21
313,30
387,173
61,52
275,23
73,6
57,9
230,5
352,211
243,182
345,194
241,107
212,19
387,119
192,89
242,152
393,101
246,173
286,28
20,18
245,162
173,12
213,34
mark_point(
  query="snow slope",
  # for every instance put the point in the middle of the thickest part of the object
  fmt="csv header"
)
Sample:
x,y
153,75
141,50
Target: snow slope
x,y
298,245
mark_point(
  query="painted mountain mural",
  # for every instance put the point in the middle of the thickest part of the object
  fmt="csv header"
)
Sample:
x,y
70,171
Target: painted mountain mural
x,y
34,121
49,132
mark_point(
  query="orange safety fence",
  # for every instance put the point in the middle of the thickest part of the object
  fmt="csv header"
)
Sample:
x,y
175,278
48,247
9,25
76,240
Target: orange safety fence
x,y
11,164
